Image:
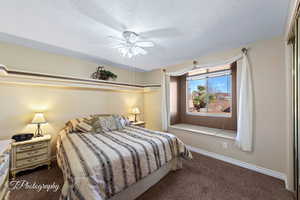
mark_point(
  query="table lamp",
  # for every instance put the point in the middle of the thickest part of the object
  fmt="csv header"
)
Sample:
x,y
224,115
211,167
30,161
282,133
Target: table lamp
x,y
38,119
135,111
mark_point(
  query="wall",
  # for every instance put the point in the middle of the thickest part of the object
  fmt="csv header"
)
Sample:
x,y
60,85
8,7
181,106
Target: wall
x,y
18,103
152,101
27,59
268,67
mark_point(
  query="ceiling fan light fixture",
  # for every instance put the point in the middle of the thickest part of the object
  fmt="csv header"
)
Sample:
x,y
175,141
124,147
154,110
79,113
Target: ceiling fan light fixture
x,y
131,45
130,37
135,50
130,51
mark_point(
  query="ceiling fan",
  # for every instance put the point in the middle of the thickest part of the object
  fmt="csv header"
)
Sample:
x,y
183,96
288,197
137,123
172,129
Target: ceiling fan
x,y
131,45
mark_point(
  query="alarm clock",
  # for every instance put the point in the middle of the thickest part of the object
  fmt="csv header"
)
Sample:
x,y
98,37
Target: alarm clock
x,y
22,137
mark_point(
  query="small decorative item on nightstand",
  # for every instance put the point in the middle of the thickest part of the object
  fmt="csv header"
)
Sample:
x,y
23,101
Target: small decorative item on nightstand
x,y
139,123
39,119
30,154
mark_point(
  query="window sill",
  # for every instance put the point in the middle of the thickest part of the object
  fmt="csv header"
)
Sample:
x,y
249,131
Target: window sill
x,y
227,134
209,115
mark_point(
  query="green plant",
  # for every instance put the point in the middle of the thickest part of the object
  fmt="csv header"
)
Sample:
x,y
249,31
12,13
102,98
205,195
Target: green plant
x,y
103,74
201,97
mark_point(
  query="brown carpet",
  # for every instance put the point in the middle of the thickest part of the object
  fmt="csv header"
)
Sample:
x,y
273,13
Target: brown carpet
x,y
203,178
40,175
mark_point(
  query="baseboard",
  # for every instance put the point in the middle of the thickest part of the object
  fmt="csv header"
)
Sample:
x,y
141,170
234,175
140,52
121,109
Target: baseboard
x,y
239,163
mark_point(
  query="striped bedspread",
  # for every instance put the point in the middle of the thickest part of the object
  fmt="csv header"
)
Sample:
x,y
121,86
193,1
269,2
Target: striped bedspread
x,y
97,166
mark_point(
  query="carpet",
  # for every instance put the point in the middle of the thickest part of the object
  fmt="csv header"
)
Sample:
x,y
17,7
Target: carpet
x,y
202,178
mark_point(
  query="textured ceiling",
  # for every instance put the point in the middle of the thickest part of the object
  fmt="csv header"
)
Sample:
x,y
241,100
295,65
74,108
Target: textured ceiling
x,y
181,29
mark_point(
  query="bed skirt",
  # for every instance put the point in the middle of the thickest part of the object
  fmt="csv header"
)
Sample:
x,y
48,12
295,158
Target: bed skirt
x,y
138,188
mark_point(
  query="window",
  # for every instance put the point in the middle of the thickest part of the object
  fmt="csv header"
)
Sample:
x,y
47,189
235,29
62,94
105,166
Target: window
x,y
209,92
205,97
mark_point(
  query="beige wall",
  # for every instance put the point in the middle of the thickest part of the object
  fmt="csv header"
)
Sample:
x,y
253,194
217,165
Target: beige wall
x,y
19,103
268,66
27,59
152,101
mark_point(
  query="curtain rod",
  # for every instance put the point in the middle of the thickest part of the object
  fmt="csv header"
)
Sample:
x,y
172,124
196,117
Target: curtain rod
x,y
290,35
195,62
244,50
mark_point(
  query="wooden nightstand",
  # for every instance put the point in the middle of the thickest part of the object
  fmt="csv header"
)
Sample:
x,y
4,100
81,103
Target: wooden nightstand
x,y
139,123
30,154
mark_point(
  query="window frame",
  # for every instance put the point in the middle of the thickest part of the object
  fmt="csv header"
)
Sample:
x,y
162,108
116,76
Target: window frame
x,y
206,76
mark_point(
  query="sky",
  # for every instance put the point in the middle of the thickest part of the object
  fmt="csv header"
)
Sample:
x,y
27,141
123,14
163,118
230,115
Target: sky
x,y
217,84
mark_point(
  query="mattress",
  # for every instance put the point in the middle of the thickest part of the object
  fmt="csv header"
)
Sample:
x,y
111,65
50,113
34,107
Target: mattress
x,y
101,165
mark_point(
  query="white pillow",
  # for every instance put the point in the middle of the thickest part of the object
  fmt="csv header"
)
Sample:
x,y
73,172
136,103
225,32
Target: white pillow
x,y
108,123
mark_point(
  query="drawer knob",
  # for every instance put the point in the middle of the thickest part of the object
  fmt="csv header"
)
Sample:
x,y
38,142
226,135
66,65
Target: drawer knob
x,y
32,159
34,152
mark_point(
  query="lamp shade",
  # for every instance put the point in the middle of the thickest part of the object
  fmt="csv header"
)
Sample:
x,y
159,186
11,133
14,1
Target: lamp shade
x,y
39,119
136,111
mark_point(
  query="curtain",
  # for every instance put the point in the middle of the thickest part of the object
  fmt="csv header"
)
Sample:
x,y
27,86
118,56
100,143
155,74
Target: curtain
x,y
244,138
245,100
165,114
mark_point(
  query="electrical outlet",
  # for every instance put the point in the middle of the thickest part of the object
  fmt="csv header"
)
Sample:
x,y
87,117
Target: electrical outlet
x,y
225,145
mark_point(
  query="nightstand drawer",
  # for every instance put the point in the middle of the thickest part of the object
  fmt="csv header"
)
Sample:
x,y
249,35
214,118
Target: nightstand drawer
x,y
27,154
31,161
27,147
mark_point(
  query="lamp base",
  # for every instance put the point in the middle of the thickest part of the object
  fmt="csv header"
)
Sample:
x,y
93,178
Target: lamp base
x,y
38,132
38,135
135,117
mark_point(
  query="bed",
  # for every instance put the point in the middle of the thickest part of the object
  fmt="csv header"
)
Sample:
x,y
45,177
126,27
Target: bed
x,y
118,164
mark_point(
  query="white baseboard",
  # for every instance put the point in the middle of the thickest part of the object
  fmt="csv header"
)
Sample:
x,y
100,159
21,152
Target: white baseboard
x,y
233,161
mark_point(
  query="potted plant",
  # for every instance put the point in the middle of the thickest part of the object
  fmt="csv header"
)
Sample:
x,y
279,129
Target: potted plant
x,y
103,74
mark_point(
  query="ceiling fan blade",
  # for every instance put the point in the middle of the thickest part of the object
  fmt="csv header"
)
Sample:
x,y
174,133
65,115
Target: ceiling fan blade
x,y
161,33
119,46
138,50
144,44
117,39
93,10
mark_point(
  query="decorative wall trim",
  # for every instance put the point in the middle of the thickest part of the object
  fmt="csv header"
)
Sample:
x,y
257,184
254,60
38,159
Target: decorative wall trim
x,y
32,78
239,163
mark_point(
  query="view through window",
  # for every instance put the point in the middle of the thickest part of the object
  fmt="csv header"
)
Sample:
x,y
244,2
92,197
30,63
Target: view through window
x,y
209,91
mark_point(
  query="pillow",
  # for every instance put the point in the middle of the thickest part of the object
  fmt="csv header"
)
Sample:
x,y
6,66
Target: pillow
x,y
120,122
71,125
97,126
108,123
83,127
126,121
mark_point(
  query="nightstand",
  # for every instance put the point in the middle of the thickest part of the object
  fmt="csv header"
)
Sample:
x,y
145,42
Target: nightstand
x,y
30,154
139,123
